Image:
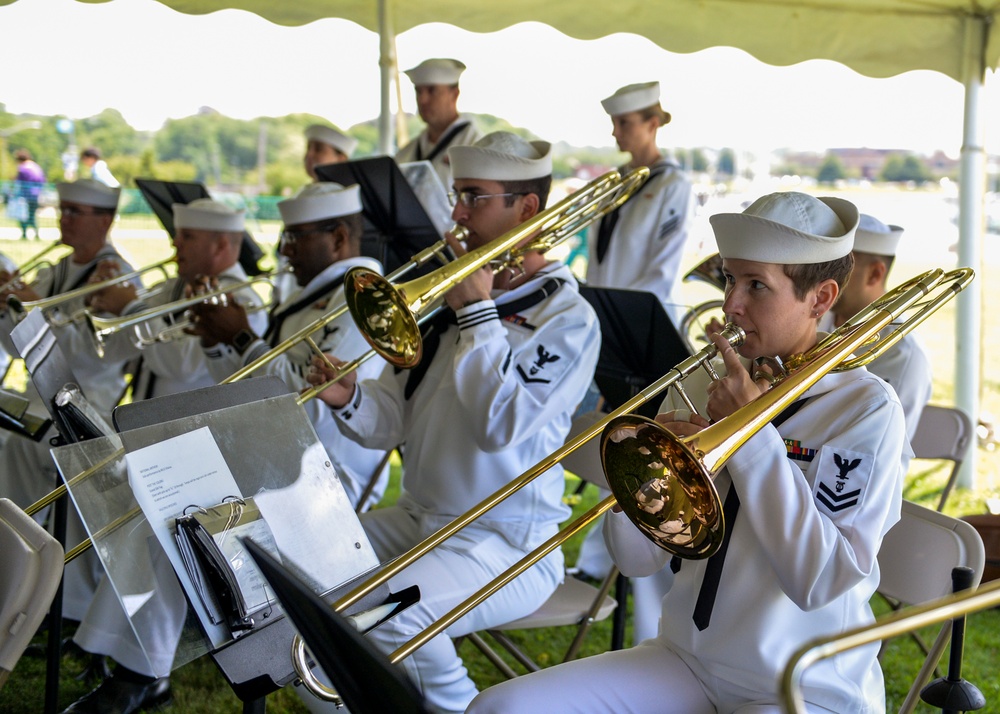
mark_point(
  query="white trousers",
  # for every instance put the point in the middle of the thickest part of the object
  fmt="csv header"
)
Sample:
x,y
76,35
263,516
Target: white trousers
x,y
447,576
648,679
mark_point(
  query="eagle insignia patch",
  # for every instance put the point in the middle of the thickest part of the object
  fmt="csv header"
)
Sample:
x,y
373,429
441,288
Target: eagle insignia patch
x,y
843,477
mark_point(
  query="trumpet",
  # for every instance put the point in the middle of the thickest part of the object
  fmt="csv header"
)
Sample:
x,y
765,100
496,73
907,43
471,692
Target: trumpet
x,y
699,533
145,335
34,263
19,308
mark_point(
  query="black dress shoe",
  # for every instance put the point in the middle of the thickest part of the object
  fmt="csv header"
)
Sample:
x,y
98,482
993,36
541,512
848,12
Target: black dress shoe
x,y
118,696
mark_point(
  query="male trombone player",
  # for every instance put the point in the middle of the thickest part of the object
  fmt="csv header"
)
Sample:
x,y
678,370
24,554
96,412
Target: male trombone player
x,y
504,366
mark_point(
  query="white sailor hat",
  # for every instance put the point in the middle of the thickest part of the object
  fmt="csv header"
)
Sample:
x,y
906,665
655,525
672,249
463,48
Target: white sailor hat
x,y
88,192
501,156
633,98
204,214
436,71
334,137
876,237
320,201
788,228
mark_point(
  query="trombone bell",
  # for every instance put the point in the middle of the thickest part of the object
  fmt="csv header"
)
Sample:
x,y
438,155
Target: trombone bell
x,y
663,487
383,317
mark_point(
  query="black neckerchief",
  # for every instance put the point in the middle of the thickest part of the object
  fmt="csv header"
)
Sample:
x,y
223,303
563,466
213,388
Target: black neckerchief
x,y
432,330
442,144
713,572
278,317
610,220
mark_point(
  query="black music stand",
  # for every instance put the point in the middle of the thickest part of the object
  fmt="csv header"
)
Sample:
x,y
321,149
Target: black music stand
x,y
639,344
50,372
362,675
396,224
161,197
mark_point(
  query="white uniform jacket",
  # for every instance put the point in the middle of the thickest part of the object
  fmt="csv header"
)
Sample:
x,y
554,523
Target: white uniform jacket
x,y
340,338
648,238
177,365
817,496
102,381
906,367
461,132
496,398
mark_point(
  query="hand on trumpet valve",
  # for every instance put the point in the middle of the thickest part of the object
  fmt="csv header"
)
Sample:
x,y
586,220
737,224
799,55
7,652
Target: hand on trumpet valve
x,y
216,322
738,387
14,285
112,299
326,368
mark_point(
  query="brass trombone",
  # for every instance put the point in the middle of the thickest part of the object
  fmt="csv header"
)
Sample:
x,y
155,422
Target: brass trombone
x,y
896,623
699,532
19,308
388,314
664,483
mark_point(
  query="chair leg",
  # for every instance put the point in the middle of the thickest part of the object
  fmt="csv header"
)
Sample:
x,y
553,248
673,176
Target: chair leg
x,y
948,487
492,656
621,613
516,652
591,617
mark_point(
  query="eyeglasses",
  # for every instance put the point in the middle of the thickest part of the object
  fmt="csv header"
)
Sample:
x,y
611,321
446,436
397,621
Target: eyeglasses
x,y
289,237
73,212
469,199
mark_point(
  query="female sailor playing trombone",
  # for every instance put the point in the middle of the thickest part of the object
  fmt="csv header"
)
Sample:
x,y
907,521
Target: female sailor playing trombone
x,y
819,490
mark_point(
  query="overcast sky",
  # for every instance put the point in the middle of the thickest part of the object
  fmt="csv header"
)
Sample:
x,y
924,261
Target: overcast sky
x,y
151,63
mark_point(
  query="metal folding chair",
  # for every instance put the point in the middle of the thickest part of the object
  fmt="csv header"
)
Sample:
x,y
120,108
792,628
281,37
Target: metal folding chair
x,y
943,433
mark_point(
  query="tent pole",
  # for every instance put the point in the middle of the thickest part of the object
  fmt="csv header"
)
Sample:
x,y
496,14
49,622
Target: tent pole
x,y
972,187
387,71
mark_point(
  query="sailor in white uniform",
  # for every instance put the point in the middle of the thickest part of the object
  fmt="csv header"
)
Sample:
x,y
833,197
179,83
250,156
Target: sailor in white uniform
x,y
322,241
27,471
905,365
640,245
503,368
207,247
819,491
326,145
436,84
207,244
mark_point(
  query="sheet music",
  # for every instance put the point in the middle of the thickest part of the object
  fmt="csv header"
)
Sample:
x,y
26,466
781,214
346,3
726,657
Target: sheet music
x,y
171,475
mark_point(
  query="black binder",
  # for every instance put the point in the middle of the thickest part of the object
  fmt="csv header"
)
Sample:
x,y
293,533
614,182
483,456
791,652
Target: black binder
x,y
161,197
396,224
639,344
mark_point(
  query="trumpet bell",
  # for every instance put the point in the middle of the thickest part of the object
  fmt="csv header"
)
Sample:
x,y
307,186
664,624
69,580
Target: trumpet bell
x,y
384,317
662,486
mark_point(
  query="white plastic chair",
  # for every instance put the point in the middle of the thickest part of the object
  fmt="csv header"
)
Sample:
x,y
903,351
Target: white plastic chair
x,y
916,560
943,433
574,603
32,563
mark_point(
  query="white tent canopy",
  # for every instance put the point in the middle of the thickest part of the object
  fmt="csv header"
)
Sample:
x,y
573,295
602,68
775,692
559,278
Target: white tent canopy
x,y
877,38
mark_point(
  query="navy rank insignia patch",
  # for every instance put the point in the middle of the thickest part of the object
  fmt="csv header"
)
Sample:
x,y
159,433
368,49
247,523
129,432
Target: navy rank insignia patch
x,y
843,477
797,452
536,371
